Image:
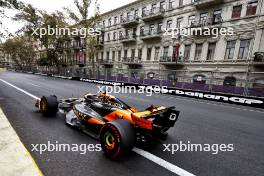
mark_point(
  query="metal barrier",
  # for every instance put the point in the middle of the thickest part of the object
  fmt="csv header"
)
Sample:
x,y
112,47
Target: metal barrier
x,y
200,81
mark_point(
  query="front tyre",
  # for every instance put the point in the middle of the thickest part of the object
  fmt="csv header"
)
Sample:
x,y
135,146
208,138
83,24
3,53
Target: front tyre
x,y
117,138
49,104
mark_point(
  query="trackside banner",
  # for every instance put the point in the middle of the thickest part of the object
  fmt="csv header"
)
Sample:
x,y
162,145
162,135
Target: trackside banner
x,y
233,99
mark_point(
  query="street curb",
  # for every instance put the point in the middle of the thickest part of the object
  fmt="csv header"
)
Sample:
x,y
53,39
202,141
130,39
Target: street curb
x,y
15,159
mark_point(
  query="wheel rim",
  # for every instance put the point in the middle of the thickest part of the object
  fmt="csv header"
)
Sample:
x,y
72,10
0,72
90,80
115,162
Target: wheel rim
x,y
43,105
109,140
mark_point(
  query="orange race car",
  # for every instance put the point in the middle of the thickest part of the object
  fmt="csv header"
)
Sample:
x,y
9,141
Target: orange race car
x,y
107,118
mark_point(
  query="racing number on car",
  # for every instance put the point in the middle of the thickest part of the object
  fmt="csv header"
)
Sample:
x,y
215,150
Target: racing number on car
x,y
173,117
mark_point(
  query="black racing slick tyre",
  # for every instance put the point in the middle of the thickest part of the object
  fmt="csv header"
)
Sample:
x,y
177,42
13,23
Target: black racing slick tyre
x,y
49,104
117,138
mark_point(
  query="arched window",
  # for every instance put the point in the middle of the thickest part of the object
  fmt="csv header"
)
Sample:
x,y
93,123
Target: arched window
x,y
229,81
199,79
151,75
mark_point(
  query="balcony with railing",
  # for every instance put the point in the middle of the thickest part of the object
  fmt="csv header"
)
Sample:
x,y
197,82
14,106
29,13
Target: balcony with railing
x,y
171,60
209,22
151,34
206,27
128,38
129,21
206,3
153,14
106,62
132,61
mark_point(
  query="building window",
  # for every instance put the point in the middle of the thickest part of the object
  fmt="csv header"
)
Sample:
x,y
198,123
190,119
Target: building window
x,y
175,54
109,22
120,35
125,54
149,53
127,31
191,20
144,10
171,4
104,23
119,55
203,18
157,50
153,7
107,55
230,50
236,13
165,52
136,13
121,18
198,51
252,8
102,55
134,32
187,52
113,55
133,53
217,16
169,24
243,49
160,26
229,81
180,3
179,23
108,37
151,29
162,5
139,54
128,15
211,51
116,20
142,28
115,36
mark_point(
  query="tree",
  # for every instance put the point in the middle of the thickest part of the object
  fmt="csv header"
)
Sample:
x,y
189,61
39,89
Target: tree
x,y
11,4
21,51
82,19
32,18
52,42
37,19
7,4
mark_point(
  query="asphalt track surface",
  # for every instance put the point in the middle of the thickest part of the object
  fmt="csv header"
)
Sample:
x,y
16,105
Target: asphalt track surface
x,y
200,122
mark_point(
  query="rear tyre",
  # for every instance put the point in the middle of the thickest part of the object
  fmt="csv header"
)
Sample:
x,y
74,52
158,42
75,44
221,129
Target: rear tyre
x,y
49,105
117,138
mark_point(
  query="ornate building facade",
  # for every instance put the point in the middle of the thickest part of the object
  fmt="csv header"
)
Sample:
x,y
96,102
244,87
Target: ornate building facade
x,y
133,43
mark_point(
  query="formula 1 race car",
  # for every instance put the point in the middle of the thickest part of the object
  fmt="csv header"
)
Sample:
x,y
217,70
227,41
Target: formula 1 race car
x,y
110,120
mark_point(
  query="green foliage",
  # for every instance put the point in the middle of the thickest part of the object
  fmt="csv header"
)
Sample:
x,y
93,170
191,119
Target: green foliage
x,y
82,19
21,51
34,18
15,4
44,61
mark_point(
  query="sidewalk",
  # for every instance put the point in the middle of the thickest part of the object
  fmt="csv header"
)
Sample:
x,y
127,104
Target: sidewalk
x,y
15,160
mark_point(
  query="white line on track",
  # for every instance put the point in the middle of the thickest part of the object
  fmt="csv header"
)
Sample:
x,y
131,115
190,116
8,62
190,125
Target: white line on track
x,y
159,161
21,90
175,169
